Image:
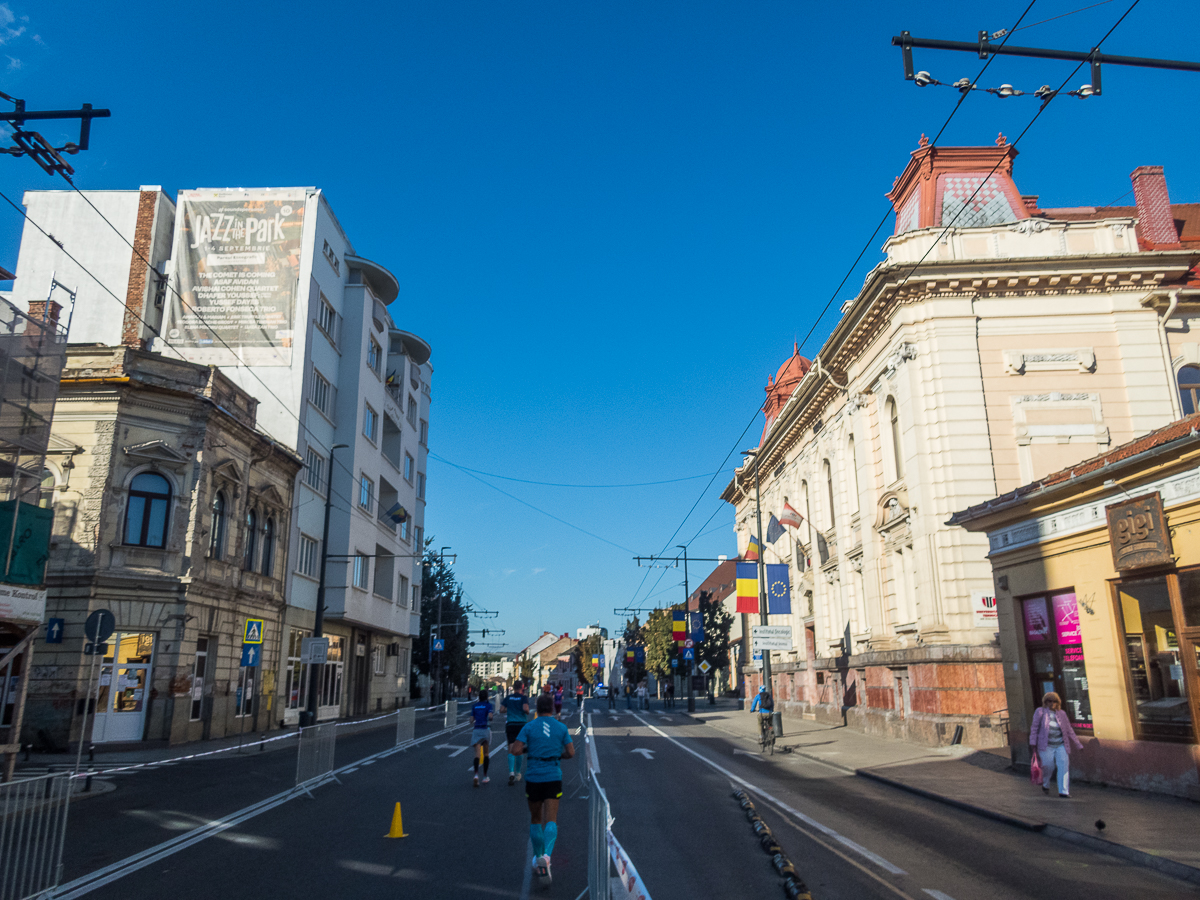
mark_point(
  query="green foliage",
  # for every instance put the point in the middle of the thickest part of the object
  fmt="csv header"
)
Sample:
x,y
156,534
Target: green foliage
x,y
584,651
440,588
526,668
660,647
717,623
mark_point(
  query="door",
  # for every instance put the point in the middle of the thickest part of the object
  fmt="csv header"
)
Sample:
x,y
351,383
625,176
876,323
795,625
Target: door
x,y
124,688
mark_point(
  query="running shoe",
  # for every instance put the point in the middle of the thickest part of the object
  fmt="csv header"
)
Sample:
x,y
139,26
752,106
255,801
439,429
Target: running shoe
x,y
542,870
519,776
512,779
486,779
476,781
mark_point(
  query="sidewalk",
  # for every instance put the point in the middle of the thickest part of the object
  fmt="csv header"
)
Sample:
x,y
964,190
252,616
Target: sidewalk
x,y
1147,829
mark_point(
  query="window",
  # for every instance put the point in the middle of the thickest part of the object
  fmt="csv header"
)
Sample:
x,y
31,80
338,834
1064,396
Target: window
x,y
366,493
314,475
402,594
409,465
1055,647
420,485
332,676
268,548
419,536
327,319
296,678
852,475
308,556
1189,389
320,392
1155,656
46,496
373,353
416,600
391,441
377,659
243,704
893,415
251,537
199,667
412,410
361,573
332,258
404,529
146,515
385,575
828,469
216,539
370,422
424,438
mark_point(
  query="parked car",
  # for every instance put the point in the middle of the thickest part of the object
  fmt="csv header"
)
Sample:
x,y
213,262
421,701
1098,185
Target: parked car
x,y
600,691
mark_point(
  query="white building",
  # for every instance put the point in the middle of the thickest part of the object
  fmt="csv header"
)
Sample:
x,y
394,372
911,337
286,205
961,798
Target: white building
x,y
501,667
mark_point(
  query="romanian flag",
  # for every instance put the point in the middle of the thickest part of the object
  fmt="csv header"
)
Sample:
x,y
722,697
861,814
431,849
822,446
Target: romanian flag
x,y
747,587
752,548
679,625
629,655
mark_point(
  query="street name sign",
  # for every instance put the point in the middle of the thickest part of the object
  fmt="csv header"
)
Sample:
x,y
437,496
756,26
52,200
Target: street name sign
x,y
771,637
90,649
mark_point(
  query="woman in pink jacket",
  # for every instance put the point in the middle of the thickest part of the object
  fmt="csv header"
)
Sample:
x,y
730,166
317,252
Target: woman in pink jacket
x,y
1053,738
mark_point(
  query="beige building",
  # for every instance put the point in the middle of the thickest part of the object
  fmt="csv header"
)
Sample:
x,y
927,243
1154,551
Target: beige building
x,y
997,342
172,511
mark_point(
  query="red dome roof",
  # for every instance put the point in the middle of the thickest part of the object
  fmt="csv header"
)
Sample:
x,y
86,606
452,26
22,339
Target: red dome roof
x,y
780,388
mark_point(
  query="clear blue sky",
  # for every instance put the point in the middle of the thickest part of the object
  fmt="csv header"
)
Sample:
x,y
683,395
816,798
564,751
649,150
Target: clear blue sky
x,y
610,219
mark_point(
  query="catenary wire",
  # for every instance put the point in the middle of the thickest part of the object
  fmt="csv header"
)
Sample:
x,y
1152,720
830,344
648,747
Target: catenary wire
x,y
561,485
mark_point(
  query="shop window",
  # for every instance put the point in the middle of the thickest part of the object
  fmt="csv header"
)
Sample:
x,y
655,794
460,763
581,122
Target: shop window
x,y
1189,597
199,670
1154,659
1055,647
296,676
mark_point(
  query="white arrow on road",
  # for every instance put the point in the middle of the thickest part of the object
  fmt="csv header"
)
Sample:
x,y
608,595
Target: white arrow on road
x,y
757,756
649,754
453,747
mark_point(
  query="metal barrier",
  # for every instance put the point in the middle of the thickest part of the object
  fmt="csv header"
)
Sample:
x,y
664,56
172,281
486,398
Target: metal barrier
x,y
451,714
597,839
314,757
406,725
33,822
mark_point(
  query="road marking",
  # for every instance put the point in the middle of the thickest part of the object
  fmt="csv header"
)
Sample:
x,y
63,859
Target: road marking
x,y
808,820
750,753
453,747
495,750
938,895
591,742
649,754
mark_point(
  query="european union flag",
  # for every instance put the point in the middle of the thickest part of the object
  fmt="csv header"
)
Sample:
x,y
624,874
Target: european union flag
x,y
779,590
774,530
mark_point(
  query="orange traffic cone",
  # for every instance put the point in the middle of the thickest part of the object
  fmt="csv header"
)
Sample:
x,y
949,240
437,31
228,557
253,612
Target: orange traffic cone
x,y
397,830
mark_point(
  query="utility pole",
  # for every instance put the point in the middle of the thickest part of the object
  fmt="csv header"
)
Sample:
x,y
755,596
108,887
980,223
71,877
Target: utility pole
x,y
687,595
314,671
441,654
762,584
36,147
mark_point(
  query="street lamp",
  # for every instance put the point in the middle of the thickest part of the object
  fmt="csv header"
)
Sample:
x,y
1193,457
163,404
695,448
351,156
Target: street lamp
x,y
314,680
762,591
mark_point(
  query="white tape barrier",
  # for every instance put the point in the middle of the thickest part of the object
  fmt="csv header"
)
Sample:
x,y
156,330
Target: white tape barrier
x,y
174,759
627,874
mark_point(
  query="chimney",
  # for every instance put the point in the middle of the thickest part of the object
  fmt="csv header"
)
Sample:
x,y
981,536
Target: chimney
x,y
45,311
1156,224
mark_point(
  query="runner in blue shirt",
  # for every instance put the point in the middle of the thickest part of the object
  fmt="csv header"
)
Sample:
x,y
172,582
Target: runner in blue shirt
x,y
516,705
545,740
481,735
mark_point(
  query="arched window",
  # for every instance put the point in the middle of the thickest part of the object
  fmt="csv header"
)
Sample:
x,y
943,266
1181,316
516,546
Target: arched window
x,y
46,495
216,544
897,452
829,493
268,548
1189,389
146,514
852,475
251,538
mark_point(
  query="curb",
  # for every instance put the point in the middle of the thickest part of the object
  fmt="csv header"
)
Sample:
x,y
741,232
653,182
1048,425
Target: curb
x,y
1161,864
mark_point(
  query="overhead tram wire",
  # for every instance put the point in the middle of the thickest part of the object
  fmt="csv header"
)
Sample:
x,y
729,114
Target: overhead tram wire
x,y
561,485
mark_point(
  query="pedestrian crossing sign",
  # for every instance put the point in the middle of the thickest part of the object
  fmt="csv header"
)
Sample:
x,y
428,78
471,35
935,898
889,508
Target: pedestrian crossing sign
x,y
254,632
689,653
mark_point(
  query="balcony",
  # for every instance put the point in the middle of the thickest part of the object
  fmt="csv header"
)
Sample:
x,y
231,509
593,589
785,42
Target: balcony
x,y
388,498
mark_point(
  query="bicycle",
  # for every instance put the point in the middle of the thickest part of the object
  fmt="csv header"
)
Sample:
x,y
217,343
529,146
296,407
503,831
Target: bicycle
x,y
766,734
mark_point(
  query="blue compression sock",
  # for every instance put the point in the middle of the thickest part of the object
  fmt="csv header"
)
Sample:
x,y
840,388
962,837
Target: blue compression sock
x,y
512,764
551,832
537,838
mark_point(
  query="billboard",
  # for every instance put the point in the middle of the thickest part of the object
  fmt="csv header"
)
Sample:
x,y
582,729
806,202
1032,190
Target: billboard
x,y
237,276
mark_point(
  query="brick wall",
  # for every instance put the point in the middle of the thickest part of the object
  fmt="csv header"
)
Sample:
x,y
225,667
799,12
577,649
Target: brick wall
x,y
139,272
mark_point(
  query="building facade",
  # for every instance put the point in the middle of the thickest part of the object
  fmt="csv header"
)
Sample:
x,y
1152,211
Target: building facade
x,y
997,342
1097,573
171,511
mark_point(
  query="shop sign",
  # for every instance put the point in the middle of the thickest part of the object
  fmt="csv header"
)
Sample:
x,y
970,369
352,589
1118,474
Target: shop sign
x,y
1037,622
1137,532
984,605
1066,620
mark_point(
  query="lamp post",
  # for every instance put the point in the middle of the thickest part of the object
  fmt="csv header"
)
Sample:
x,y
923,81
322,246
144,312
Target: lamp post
x,y
762,589
314,672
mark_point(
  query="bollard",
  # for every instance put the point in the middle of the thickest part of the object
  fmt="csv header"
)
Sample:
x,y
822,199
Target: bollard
x,y
91,752
777,723
262,746
87,784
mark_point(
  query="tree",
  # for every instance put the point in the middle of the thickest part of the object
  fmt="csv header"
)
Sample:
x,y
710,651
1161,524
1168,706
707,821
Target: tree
x,y
590,646
525,666
660,645
440,589
717,623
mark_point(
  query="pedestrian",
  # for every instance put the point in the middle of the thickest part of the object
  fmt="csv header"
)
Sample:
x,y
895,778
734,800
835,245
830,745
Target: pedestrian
x,y
558,695
643,696
1052,737
612,697
628,695
671,693
545,741
516,706
579,695
481,735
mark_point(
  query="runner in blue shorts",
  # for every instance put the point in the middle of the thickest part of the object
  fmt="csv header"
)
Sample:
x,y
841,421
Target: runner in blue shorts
x,y
516,706
545,741
481,735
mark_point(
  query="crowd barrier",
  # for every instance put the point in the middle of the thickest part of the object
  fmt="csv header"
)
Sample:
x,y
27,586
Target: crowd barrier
x,y
33,825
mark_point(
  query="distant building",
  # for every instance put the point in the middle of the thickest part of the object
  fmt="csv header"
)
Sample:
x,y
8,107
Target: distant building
x,y
586,632
494,666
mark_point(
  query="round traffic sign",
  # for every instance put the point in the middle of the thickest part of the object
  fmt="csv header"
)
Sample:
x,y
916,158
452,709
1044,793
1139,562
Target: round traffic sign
x,y
99,625
689,644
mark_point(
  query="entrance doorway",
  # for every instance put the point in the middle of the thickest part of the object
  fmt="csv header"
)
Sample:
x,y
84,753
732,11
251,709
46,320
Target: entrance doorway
x,y
124,688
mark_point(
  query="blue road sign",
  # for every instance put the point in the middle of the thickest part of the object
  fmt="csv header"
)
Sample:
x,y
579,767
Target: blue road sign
x,y
674,663
439,645
689,653
251,654
758,654
254,632
54,630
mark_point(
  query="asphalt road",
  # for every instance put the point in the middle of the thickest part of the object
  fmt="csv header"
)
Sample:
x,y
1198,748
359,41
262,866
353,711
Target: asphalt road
x,y
669,780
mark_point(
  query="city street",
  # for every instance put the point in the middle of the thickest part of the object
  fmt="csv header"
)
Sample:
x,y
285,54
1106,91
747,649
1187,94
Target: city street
x,y
668,779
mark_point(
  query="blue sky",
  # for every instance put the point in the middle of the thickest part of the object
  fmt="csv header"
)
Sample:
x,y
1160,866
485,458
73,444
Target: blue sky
x,y
609,219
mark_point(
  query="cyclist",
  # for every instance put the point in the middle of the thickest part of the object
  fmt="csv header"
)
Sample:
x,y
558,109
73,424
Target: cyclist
x,y
545,740
516,706
481,735
764,705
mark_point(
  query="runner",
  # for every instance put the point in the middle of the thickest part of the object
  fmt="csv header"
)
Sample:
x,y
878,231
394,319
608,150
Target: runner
x,y
558,692
481,736
546,740
517,706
